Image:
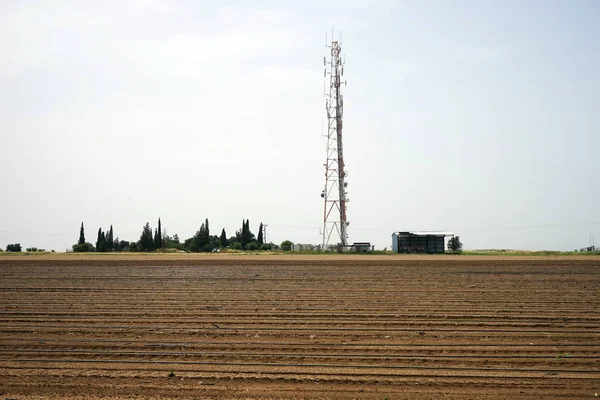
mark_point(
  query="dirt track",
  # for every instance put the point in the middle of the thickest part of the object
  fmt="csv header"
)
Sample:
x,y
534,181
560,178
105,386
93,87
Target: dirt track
x,y
302,327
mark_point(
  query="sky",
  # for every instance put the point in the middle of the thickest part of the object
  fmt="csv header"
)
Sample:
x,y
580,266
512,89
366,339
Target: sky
x,y
476,117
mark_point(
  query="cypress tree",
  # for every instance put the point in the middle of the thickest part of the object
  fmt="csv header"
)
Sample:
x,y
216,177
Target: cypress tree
x,y
223,238
81,235
110,245
246,234
259,239
158,236
103,240
205,235
202,237
146,239
99,241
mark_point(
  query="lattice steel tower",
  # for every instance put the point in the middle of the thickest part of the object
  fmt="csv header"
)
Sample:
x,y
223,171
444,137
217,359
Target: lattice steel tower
x,y
335,195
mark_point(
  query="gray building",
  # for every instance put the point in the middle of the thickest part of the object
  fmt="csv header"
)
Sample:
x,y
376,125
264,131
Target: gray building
x,y
304,247
420,242
363,247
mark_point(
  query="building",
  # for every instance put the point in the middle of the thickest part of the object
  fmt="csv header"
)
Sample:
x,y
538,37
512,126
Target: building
x,y
420,242
356,247
362,247
304,247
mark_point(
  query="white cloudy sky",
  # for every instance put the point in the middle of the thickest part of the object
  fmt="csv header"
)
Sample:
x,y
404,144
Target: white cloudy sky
x,y
479,117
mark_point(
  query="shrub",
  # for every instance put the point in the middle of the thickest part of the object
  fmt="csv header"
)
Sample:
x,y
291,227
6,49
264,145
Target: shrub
x,y
455,245
252,246
84,248
236,245
34,249
16,247
286,245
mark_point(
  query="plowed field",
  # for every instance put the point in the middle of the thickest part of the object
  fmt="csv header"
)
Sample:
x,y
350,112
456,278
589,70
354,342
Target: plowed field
x,y
299,327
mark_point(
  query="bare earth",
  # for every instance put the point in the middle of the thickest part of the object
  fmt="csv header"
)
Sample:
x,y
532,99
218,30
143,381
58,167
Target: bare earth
x,y
230,326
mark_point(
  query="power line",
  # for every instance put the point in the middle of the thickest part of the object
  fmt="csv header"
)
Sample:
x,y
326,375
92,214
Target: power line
x,y
37,233
457,229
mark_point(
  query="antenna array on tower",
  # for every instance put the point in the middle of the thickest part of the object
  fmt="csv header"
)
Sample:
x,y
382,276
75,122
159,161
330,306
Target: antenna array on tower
x,y
335,222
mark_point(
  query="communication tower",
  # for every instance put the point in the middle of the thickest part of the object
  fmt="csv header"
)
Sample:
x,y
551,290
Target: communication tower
x,y
335,222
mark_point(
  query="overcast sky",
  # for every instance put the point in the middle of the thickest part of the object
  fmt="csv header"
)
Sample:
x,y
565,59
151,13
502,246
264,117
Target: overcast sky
x,y
477,117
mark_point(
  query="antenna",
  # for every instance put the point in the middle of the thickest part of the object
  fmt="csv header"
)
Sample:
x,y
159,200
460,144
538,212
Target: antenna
x,y
334,195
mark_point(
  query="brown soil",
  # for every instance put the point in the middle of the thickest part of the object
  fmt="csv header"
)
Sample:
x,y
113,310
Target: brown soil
x,y
231,326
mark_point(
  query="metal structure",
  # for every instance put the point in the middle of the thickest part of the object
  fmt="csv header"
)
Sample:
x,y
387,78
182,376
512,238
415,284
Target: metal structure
x,y
420,242
334,194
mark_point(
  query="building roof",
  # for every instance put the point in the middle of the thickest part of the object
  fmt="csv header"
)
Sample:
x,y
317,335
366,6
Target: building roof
x,y
418,233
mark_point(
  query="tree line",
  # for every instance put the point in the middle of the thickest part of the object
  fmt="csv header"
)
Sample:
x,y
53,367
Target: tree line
x,y
157,239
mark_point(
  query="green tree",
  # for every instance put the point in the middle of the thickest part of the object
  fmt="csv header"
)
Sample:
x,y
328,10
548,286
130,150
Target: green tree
x,y
172,242
214,242
84,248
454,244
101,241
15,247
81,235
201,239
286,245
245,236
259,238
223,239
146,242
190,244
116,244
158,241
99,246
110,241
204,237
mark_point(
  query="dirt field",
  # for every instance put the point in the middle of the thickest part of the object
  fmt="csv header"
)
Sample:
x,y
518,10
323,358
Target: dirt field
x,y
269,327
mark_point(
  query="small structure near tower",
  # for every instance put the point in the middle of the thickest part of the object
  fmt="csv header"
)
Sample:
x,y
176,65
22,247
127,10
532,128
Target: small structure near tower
x,y
363,247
